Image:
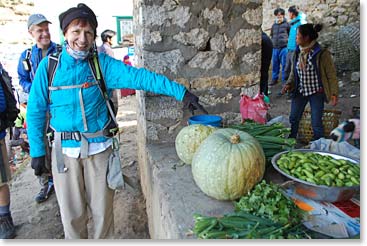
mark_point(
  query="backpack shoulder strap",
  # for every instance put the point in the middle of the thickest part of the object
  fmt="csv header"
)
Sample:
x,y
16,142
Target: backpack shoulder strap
x,y
53,61
28,53
98,75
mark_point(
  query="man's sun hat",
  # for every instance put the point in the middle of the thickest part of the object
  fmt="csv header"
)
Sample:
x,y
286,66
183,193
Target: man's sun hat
x,y
36,19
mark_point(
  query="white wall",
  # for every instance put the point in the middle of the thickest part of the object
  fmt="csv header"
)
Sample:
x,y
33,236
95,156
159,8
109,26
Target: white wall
x,y
104,10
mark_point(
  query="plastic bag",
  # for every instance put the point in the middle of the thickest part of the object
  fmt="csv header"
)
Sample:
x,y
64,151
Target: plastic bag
x,y
254,108
280,119
343,148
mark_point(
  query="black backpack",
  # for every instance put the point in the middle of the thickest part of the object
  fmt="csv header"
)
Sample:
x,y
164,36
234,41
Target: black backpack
x,y
11,112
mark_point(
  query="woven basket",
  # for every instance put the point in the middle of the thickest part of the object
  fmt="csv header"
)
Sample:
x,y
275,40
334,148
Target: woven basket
x,y
330,120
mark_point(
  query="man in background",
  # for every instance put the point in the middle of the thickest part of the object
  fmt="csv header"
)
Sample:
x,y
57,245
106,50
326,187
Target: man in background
x,y
27,66
297,18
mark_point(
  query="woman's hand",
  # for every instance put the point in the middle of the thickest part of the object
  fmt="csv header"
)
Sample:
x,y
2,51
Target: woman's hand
x,y
333,100
285,89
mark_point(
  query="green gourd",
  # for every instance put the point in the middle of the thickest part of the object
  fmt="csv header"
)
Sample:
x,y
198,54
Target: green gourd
x,y
189,139
228,164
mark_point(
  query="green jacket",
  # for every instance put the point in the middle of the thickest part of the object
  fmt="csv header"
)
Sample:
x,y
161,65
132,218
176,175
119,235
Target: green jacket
x,y
21,117
325,69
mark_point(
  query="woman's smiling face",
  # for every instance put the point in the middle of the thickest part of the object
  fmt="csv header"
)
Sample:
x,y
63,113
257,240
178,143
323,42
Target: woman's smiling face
x,y
80,35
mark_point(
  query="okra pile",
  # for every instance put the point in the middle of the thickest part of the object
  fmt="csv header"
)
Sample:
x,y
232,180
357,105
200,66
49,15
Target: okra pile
x,y
242,225
320,169
272,138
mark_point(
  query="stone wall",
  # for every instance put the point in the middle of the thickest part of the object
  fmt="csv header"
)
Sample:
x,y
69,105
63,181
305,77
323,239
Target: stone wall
x,y
341,21
211,47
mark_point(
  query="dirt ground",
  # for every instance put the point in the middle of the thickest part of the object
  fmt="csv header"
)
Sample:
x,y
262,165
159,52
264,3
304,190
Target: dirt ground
x,y
42,221
349,97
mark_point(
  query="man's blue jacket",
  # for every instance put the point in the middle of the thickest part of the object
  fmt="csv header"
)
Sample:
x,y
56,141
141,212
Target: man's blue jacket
x,y
26,77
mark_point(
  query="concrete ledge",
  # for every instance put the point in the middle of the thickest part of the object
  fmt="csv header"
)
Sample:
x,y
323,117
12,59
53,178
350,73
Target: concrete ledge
x,y
172,196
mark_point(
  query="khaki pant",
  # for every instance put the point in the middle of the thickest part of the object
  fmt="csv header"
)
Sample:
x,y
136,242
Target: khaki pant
x,y
84,186
4,164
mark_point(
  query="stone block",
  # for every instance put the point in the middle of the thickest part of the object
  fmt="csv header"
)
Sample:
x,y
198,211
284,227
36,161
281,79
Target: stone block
x,y
197,37
246,37
172,196
214,16
204,60
163,62
217,43
253,16
342,20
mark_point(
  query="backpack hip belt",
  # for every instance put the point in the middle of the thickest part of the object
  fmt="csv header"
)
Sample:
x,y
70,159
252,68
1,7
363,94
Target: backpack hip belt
x,y
78,136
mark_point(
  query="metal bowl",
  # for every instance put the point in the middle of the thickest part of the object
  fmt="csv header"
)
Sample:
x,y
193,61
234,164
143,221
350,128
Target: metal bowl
x,y
319,192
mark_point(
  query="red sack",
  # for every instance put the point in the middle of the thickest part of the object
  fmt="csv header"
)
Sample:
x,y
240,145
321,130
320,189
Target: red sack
x,y
254,108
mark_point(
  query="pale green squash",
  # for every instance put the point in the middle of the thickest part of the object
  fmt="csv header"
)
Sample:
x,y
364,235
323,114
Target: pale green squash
x,y
228,164
189,139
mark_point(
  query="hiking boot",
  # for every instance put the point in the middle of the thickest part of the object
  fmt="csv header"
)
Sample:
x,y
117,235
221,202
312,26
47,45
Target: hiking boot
x,y
273,82
7,229
44,193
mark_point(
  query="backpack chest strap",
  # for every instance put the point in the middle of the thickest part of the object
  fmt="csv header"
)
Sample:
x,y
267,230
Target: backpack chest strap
x,y
81,101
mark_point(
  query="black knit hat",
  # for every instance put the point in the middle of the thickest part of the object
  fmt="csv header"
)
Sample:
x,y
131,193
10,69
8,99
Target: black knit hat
x,y
82,11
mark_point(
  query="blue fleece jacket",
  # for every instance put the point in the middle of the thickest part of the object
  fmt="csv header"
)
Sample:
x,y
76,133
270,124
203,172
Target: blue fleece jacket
x,y
65,105
294,24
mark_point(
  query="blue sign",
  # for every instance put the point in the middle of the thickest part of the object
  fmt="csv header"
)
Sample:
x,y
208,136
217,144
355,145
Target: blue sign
x,y
131,51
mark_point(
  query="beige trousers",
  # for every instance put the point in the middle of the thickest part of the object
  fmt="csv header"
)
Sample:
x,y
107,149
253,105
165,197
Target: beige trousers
x,y
5,174
84,186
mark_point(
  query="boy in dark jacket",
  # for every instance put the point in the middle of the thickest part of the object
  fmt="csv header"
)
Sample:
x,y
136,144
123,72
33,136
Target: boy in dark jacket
x,y
279,35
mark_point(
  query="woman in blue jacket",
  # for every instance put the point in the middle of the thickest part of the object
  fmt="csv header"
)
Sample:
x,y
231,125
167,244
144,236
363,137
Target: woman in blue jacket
x,y
79,116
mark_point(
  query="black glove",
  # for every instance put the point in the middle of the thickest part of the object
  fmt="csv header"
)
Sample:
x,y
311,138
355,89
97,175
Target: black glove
x,y
39,165
191,102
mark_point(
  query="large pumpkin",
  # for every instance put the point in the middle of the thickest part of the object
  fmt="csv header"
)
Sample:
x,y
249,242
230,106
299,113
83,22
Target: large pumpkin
x,y
228,164
189,139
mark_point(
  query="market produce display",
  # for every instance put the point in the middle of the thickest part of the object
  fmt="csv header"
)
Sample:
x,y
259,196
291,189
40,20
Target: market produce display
x,y
242,225
228,164
189,139
273,138
264,213
268,201
319,169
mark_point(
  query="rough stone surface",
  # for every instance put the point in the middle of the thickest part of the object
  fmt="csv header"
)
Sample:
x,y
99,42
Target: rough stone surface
x,y
197,37
173,197
215,16
163,62
204,60
253,16
217,43
245,38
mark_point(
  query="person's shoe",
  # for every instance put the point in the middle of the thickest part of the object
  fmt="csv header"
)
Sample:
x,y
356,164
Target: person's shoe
x,y
44,193
279,94
273,82
7,229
